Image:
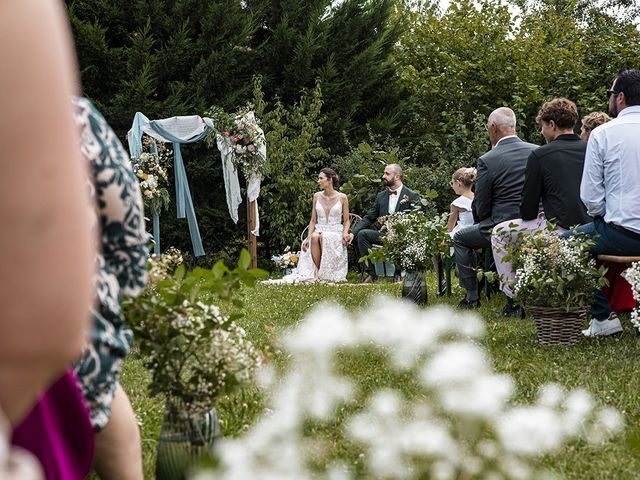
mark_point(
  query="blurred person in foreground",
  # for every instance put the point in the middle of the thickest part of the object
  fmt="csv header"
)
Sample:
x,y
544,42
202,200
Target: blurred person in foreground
x,y
46,254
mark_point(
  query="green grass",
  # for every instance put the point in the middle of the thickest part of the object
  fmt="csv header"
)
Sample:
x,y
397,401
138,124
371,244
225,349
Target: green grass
x,y
606,368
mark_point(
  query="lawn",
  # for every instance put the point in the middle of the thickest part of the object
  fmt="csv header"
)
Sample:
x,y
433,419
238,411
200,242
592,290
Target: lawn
x,y
606,368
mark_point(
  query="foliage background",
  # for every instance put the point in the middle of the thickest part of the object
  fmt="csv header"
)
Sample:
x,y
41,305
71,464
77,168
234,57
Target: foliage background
x,y
401,77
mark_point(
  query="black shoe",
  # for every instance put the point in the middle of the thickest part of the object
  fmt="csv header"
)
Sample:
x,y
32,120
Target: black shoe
x,y
469,304
370,279
511,309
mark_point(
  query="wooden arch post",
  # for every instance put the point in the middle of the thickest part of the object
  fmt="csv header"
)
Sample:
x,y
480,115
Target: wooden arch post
x,y
252,242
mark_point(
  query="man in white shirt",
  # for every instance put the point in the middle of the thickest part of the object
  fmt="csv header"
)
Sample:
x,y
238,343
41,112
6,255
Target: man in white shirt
x,y
609,188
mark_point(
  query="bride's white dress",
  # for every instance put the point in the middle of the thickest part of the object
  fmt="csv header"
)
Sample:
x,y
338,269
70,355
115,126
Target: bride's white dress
x,y
334,259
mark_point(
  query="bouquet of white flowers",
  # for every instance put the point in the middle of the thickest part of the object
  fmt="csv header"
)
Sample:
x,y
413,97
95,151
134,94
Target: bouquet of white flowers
x,y
556,272
412,239
151,170
632,275
288,259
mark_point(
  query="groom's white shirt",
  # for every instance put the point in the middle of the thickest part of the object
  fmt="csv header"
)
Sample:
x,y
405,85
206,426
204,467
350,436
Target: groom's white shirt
x,y
393,199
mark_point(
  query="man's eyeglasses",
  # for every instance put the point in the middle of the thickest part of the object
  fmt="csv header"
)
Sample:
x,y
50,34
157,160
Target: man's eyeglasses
x,y
612,92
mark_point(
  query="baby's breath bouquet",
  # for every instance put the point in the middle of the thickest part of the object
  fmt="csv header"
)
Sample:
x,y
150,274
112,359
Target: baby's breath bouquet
x,y
555,272
632,275
411,239
195,353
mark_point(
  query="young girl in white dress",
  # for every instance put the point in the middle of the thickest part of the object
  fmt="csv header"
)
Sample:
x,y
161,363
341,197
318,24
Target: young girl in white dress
x,y
462,183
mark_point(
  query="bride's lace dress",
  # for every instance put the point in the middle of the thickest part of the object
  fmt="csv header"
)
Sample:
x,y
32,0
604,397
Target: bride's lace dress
x,y
333,262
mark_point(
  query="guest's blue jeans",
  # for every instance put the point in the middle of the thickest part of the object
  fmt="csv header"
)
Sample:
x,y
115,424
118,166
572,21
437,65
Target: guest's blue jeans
x,y
612,242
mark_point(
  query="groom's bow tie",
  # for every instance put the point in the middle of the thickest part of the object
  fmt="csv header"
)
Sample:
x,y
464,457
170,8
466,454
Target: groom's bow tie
x,y
392,192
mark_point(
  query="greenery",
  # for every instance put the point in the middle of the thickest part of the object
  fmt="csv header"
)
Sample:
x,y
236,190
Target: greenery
x,y
400,76
194,353
552,271
412,239
605,367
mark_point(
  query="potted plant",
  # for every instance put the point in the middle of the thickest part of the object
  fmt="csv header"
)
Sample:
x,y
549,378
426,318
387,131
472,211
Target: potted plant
x,y
411,240
193,351
555,279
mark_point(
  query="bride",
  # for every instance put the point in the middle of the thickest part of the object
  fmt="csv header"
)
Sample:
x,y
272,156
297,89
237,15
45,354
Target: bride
x,y
324,251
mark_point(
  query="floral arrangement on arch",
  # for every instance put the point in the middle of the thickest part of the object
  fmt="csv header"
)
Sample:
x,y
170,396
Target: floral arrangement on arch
x,y
288,259
151,169
632,275
194,352
411,240
460,420
241,130
555,272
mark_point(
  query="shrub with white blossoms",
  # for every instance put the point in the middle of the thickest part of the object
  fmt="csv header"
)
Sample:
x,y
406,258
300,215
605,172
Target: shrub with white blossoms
x,y
194,353
632,275
459,421
555,272
411,239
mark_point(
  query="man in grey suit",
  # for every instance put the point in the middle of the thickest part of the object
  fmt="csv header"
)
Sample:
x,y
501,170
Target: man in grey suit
x,y
497,196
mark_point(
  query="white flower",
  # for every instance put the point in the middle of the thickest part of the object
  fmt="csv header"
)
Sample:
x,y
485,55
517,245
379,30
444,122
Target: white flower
x,y
530,430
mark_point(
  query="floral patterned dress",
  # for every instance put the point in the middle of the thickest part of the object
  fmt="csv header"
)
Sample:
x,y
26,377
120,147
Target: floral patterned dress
x,y
121,263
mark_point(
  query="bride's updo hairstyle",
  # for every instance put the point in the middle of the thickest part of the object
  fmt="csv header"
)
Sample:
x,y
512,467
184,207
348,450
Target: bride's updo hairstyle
x,y
466,176
329,173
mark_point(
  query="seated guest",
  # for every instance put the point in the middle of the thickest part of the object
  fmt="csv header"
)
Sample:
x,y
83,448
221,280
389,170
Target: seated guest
x,y
552,180
591,121
497,197
461,215
609,188
393,199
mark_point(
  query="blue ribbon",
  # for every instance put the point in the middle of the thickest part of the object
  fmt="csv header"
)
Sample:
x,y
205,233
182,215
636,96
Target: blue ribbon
x,y
184,203
156,233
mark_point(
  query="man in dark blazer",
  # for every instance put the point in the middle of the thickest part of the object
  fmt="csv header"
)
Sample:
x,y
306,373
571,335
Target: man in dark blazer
x,y
497,196
395,198
552,176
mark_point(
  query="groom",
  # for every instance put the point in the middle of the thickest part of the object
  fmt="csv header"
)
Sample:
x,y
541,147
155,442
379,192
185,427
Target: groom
x,y
395,198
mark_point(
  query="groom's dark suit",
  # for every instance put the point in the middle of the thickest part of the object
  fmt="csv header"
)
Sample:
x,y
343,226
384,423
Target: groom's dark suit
x,y
366,232
497,198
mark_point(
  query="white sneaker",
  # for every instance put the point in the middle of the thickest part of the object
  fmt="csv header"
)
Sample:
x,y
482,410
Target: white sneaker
x,y
602,328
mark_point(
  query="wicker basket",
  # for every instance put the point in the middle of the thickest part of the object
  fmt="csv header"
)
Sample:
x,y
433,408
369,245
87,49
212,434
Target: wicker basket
x,y
557,326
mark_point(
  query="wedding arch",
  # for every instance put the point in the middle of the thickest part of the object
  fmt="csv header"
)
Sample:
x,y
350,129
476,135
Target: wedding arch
x,y
181,130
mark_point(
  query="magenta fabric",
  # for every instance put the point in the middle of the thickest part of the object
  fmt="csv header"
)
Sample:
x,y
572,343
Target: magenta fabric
x,y
58,431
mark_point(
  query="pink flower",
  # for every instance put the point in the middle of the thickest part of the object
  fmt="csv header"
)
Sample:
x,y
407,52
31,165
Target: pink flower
x,y
251,147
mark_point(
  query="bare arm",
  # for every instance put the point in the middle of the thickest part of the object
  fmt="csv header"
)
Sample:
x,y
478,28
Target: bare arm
x,y
346,220
453,218
46,254
312,223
